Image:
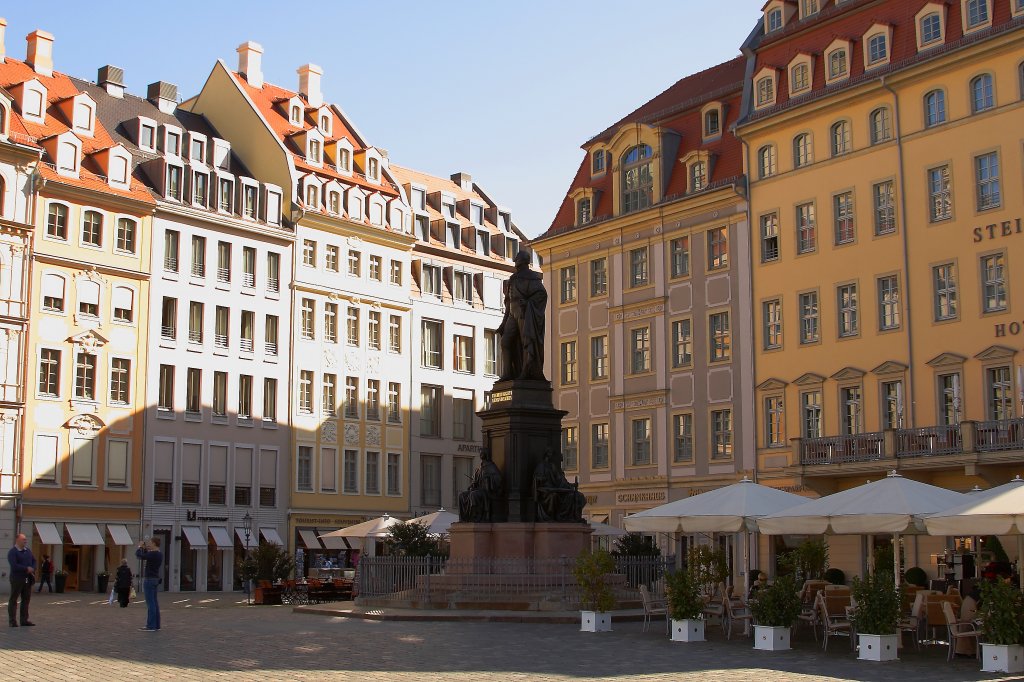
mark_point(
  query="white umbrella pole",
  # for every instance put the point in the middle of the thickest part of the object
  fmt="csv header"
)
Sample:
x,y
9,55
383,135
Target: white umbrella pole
x,y
896,559
746,562
1020,561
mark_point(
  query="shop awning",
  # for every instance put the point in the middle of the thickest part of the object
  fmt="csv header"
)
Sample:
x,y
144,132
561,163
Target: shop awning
x,y
221,537
48,534
84,534
119,533
271,536
337,542
309,539
254,539
195,536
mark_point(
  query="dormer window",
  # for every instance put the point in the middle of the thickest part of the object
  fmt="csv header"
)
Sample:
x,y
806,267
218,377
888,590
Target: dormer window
x,y
200,187
295,115
637,180
476,214
976,14
118,172
837,63
197,151
598,163
808,8
584,213
84,117
172,143
344,160
147,137
355,204
314,151
325,120
773,20
448,209
373,169
5,116
765,91
221,154
312,196
67,158
225,194
419,199
173,187
799,77
33,101
878,49
334,202
712,123
250,195
698,176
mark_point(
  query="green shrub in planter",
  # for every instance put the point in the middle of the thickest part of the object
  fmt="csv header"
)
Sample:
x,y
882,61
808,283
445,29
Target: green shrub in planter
x,y
777,605
808,560
1002,614
707,567
591,572
916,576
878,604
835,576
683,592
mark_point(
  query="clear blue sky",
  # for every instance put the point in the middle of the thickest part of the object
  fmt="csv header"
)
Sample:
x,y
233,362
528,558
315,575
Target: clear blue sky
x,y
504,90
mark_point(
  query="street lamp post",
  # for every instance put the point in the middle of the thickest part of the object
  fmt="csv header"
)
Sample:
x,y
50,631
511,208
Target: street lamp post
x,y
247,529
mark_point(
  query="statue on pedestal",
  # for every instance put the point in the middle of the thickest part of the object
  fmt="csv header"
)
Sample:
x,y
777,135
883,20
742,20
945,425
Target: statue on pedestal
x,y
557,499
522,328
480,502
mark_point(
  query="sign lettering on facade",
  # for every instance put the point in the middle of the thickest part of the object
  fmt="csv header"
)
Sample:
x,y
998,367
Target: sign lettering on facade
x,y
501,397
639,312
631,403
996,230
469,447
640,496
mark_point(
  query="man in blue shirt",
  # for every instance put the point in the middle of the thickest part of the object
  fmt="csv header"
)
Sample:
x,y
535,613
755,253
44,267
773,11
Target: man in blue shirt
x,y
154,558
23,570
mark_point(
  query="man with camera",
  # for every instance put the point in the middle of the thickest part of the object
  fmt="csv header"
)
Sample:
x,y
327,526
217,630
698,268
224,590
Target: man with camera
x,y
149,551
23,569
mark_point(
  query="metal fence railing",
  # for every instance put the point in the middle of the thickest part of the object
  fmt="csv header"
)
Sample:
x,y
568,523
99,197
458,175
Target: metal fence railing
x,y
998,435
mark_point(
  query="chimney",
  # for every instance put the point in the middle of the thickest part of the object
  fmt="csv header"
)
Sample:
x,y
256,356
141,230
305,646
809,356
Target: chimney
x,y
250,58
463,180
3,30
164,95
40,52
111,79
309,84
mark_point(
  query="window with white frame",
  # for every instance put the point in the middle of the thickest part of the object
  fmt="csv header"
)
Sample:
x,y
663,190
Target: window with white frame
x,y
464,355
940,197
123,304
888,303
930,28
799,77
394,334
394,402
641,450
765,88
993,282
840,136
721,434
769,237
682,343
843,213
373,330
352,326
430,410
92,228
49,372
774,422
767,161
846,303
878,49
640,350
719,336
57,221
838,64
432,331
583,211
373,399
127,233
976,13
771,320
986,169
774,19
883,200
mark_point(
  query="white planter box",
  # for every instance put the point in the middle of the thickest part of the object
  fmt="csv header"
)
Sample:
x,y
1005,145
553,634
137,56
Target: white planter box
x,y
771,638
998,658
688,630
594,621
878,647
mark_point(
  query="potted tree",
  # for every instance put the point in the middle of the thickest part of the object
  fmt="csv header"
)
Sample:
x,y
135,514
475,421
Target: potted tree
x,y
597,597
1002,629
877,616
685,607
775,610
707,567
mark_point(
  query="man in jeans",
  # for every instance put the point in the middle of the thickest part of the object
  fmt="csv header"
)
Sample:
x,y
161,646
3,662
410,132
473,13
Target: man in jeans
x,y
23,569
150,552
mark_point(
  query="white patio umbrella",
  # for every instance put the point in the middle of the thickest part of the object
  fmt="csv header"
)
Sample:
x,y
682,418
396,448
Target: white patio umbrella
x,y
438,522
998,511
605,530
893,504
731,509
374,528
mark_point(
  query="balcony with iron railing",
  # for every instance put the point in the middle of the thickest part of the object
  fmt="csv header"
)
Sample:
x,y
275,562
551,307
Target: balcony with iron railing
x,y
273,284
248,279
245,345
270,348
220,340
168,332
223,274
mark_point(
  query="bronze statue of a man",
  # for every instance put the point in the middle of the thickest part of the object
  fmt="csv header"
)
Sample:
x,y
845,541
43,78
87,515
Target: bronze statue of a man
x,y
557,499
478,503
522,328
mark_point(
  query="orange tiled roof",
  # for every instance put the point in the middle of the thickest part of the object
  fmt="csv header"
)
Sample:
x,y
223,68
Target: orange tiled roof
x,y
58,88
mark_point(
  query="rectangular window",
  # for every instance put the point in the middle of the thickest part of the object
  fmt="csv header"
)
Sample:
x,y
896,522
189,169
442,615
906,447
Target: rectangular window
x,y
331,258
247,331
395,334
464,360
355,260
568,357
165,397
195,322
599,277
774,422
307,314
721,434
567,279
463,282
940,198
396,272
270,333
273,272
394,402
679,257
771,319
846,303
309,253
430,281
944,282
1000,393
842,207
641,429
986,169
305,392
682,343
570,447
331,322
599,357
376,268
223,262
892,404
993,282
682,438
193,390
248,267
638,271
718,248
117,463
850,418
350,472
491,352
888,303
227,191
806,236
599,446
373,399
373,330
244,396
82,460
430,410
126,231
120,380
769,237
885,211
949,399
809,328
220,394
49,372
270,400
810,408
394,486
462,419
171,239
430,483
85,376
351,397
169,318
721,339
198,256
328,405
640,349
352,326
304,469
372,466
431,355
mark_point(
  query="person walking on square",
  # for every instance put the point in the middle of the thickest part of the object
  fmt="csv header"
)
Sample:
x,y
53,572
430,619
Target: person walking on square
x,y
22,571
123,583
45,574
154,558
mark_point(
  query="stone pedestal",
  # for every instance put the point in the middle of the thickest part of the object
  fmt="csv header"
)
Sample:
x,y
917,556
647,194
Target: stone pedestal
x,y
538,542
518,425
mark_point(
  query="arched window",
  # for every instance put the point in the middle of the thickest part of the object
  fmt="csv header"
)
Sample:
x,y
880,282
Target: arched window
x,y
374,169
57,221
712,124
931,28
296,114
597,165
92,228
934,108
123,303
774,20
881,126
312,197
89,298
344,159
314,151
977,13
637,182
981,93
355,206
837,63
878,48
325,124
800,77
840,134
83,117
803,151
127,230
766,161
335,202
698,176
53,293
583,213
765,91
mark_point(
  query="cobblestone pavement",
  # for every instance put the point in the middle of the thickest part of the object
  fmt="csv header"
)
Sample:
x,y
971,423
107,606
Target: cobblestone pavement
x,y
216,636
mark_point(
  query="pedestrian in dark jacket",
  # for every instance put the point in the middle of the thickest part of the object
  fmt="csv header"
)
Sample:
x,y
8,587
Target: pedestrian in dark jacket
x,y
45,574
123,583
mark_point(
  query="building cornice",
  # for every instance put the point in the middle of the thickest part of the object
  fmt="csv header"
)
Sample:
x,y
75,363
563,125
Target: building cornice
x,y
51,259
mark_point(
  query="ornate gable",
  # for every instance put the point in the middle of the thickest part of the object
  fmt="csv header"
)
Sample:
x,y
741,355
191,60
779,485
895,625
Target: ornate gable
x,y
996,352
809,379
890,367
946,360
849,373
